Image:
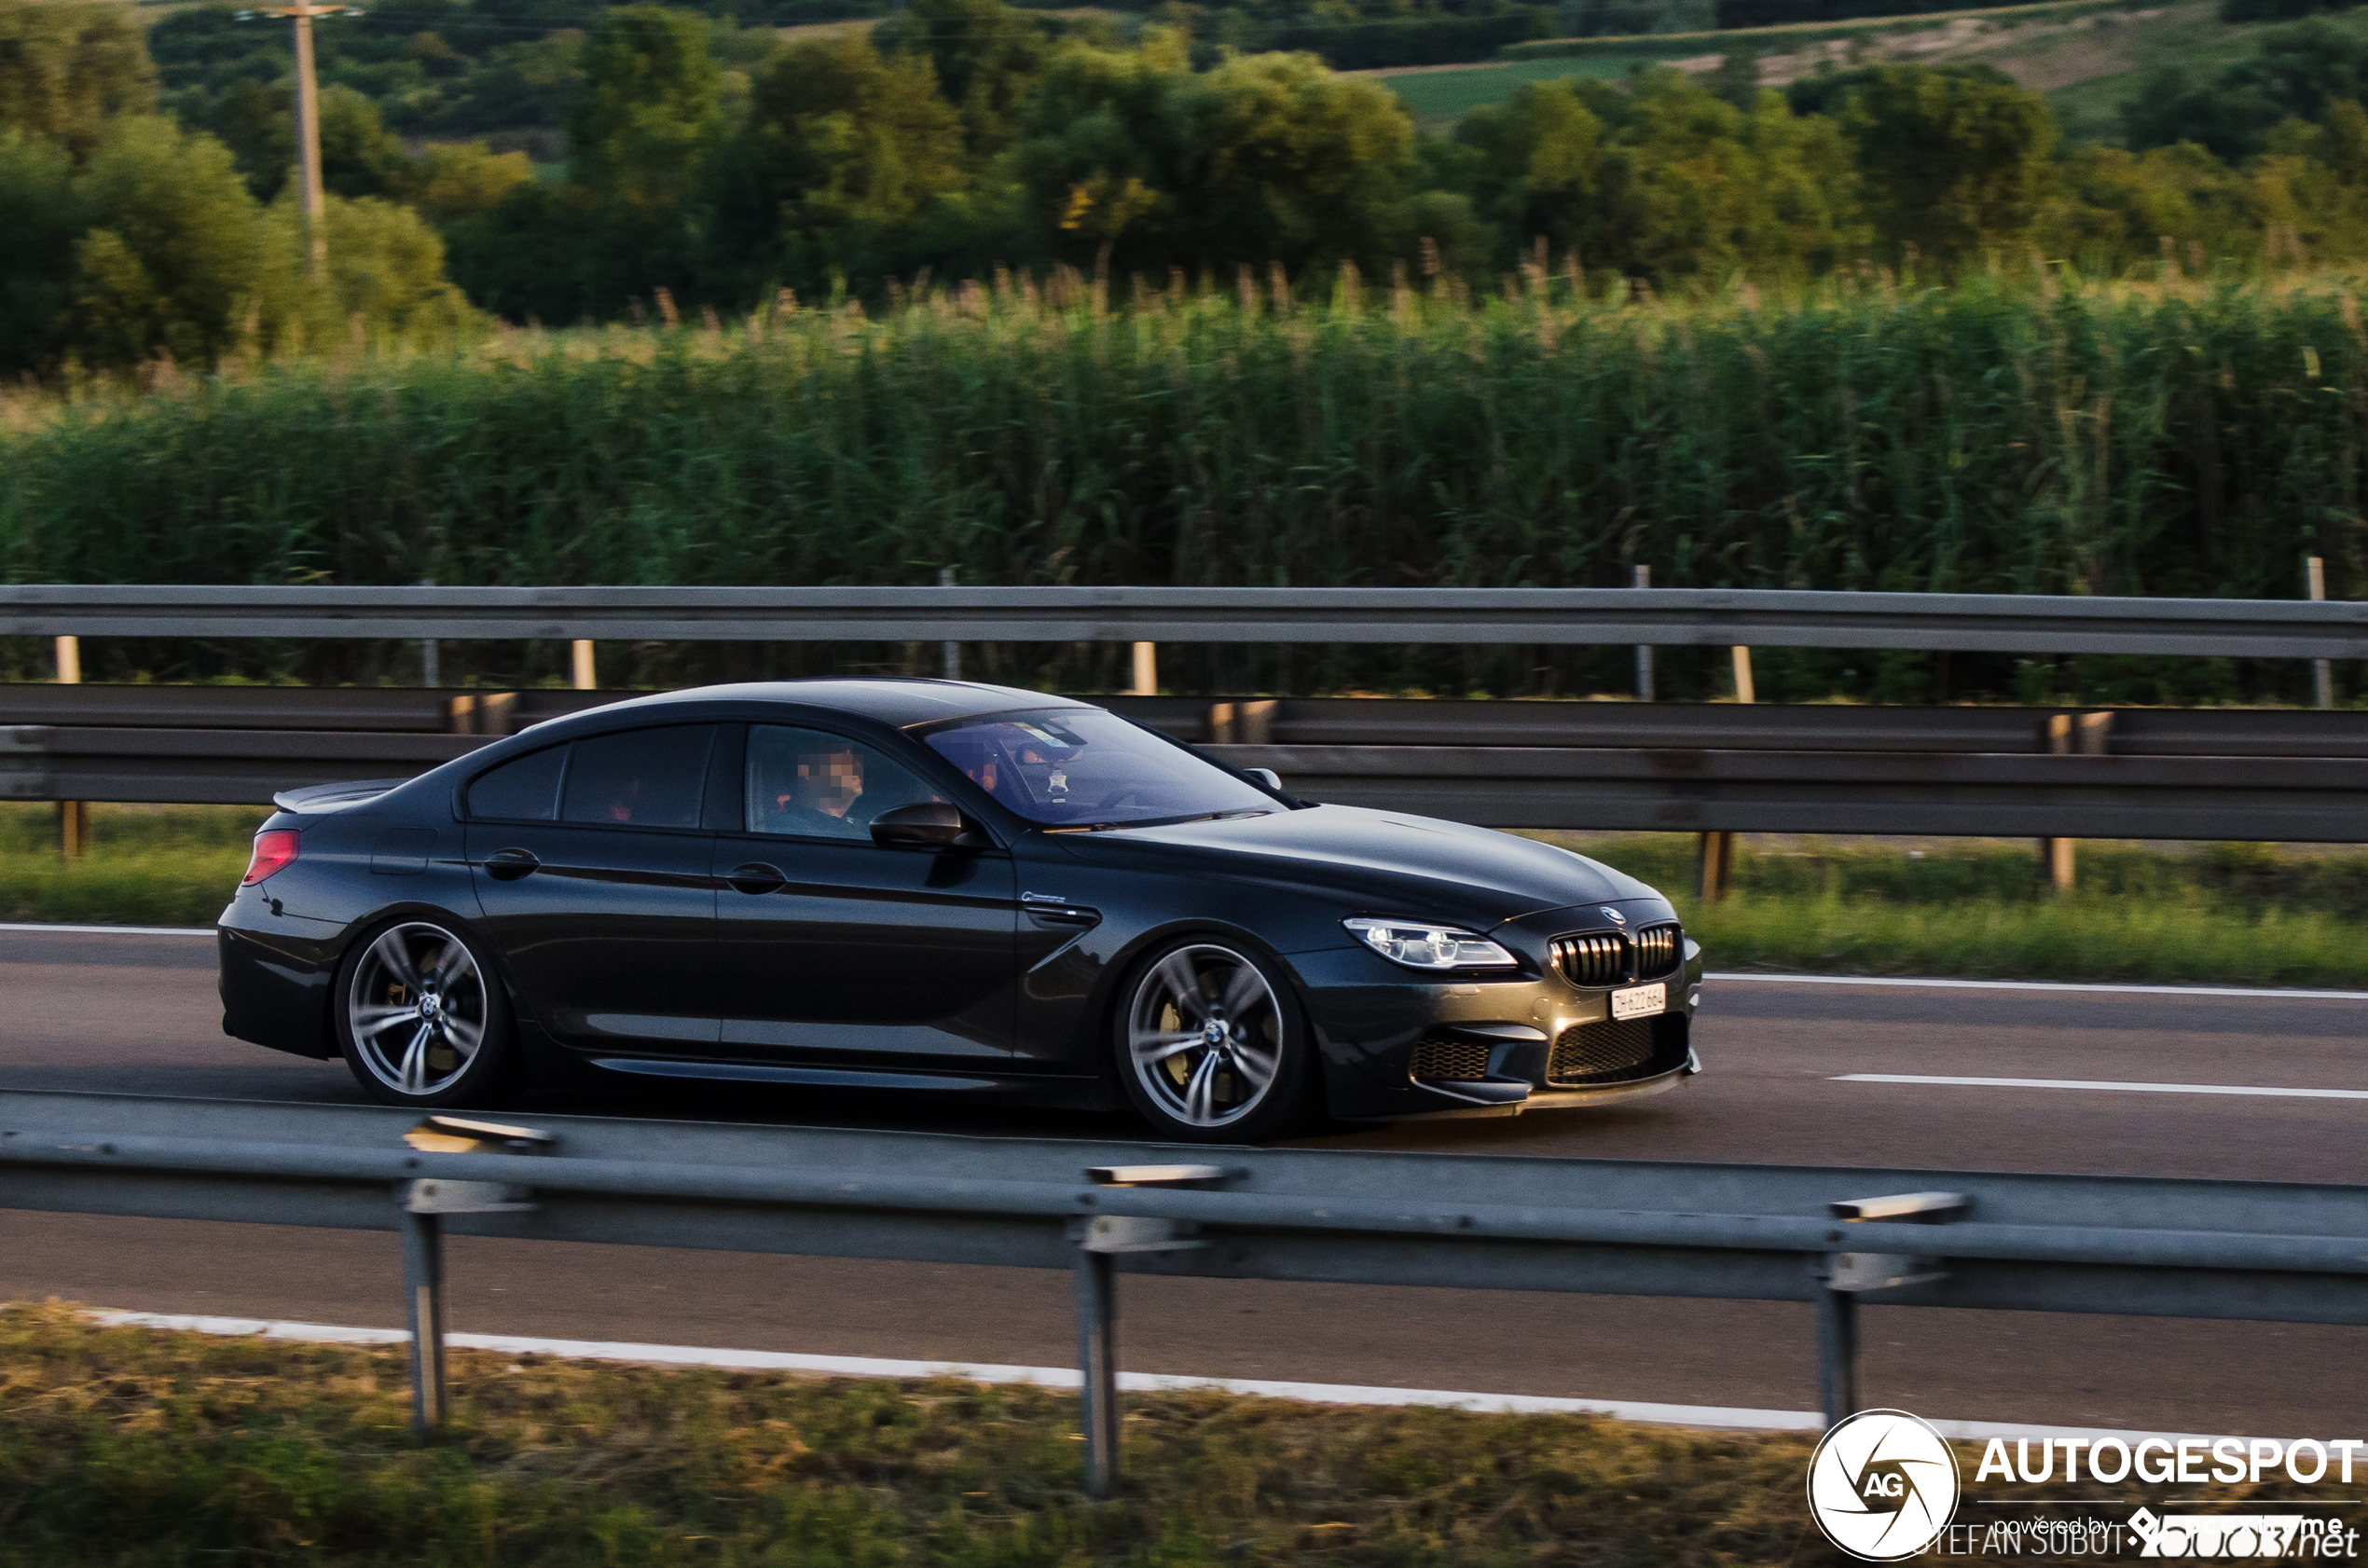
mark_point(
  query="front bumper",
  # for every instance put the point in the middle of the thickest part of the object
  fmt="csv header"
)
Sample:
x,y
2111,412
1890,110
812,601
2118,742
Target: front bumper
x,y
1380,1030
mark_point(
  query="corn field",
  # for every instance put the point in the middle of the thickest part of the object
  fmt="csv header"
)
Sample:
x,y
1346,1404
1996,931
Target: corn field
x,y
2002,436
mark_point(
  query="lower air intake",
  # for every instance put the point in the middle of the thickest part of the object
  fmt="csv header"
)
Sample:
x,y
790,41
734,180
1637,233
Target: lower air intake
x,y
1451,1060
1601,1052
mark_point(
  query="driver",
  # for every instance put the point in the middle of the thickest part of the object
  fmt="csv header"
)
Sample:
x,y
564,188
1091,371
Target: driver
x,y
811,789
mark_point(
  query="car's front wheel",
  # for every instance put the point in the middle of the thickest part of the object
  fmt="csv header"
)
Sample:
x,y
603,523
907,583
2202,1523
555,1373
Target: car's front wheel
x,y
1211,1046
422,1020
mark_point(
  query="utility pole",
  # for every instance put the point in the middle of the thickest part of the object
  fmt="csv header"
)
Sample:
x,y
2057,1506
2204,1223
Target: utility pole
x,y
308,127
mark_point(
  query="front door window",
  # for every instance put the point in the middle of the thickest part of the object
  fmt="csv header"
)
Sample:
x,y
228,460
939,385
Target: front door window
x,y
812,784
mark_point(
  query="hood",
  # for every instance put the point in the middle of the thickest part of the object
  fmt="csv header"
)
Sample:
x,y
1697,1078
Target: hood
x,y
1385,862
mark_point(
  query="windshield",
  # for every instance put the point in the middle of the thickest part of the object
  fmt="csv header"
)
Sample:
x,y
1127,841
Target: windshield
x,y
1087,767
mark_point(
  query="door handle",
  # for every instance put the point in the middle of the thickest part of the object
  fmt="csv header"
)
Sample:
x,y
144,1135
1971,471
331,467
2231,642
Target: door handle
x,y
756,877
509,865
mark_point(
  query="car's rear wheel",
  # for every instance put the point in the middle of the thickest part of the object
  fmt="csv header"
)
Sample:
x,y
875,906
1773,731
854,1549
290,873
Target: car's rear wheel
x,y
1212,1047
422,1020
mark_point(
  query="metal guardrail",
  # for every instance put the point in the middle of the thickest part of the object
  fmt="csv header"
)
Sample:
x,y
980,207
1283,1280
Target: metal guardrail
x,y
2149,732
2173,774
1674,617
2167,1247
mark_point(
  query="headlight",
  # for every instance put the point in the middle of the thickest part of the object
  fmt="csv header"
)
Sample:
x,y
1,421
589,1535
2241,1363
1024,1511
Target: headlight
x,y
1419,946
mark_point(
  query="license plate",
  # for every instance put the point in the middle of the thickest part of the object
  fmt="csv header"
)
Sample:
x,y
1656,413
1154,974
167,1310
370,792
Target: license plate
x,y
1641,1002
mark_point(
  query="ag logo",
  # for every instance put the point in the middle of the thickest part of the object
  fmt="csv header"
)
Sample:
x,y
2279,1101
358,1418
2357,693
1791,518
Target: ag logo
x,y
1882,1485
1614,915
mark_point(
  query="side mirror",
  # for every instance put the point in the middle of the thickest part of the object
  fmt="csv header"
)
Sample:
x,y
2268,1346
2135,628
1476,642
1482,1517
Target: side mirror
x,y
929,825
1267,776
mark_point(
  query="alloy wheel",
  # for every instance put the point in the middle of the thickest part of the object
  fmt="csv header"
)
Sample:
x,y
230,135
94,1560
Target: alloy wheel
x,y
417,1008
1204,1035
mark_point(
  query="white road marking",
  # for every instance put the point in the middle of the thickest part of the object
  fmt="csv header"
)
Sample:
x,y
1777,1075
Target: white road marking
x,y
2104,1083
2111,988
109,930
1067,1377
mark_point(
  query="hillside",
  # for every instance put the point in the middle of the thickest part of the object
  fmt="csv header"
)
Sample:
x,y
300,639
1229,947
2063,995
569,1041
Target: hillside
x,y
2086,64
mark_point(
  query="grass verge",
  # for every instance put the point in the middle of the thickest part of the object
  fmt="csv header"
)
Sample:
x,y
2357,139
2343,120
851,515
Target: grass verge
x,y
2231,913
131,1447
147,866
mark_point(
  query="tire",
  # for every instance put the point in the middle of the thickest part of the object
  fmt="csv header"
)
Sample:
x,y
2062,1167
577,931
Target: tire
x,y
422,1020
1212,1047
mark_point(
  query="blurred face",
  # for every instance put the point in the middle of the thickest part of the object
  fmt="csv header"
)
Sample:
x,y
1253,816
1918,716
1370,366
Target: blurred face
x,y
829,781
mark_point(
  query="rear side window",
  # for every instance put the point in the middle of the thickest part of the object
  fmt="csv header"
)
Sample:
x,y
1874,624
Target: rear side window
x,y
524,789
647,779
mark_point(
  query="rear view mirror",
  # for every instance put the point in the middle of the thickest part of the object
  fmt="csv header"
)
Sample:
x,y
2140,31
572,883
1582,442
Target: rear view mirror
x,y
1267,776
929,825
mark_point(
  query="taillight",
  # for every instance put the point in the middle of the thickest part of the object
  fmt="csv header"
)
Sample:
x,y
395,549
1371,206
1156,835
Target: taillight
x,y
274,850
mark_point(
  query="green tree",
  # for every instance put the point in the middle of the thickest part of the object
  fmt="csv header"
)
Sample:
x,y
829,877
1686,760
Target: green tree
x,y
1737,78
2311,187
546,252
987,57
65,70
850,162
169,249
1692,187
359,156
385,283
448,183
1283,161
1952,163
1266,157
650,110
1100,156
1538,157
2120,205
2294,72
36,265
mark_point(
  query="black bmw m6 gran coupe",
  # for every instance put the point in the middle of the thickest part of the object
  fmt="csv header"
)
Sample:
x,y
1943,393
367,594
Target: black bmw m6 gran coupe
x,y
948,887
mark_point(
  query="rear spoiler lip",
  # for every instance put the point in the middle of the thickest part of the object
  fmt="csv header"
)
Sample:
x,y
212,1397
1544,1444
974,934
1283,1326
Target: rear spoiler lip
x,y
318,800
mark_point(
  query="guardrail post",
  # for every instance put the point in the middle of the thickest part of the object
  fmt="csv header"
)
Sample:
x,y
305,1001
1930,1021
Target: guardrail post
x,y
423,1206
74,817
952,650
1847,1274
1644,650
423,1294
431,665
2071,735
1097,1367
2323,671
1837,1354
1099,1237
1717,858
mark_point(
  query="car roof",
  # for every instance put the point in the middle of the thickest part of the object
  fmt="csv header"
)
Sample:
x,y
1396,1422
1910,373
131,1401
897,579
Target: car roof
x,y
891,701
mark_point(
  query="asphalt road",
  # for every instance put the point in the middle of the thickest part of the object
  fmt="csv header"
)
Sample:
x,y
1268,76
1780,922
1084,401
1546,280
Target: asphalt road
x,y
137,1014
